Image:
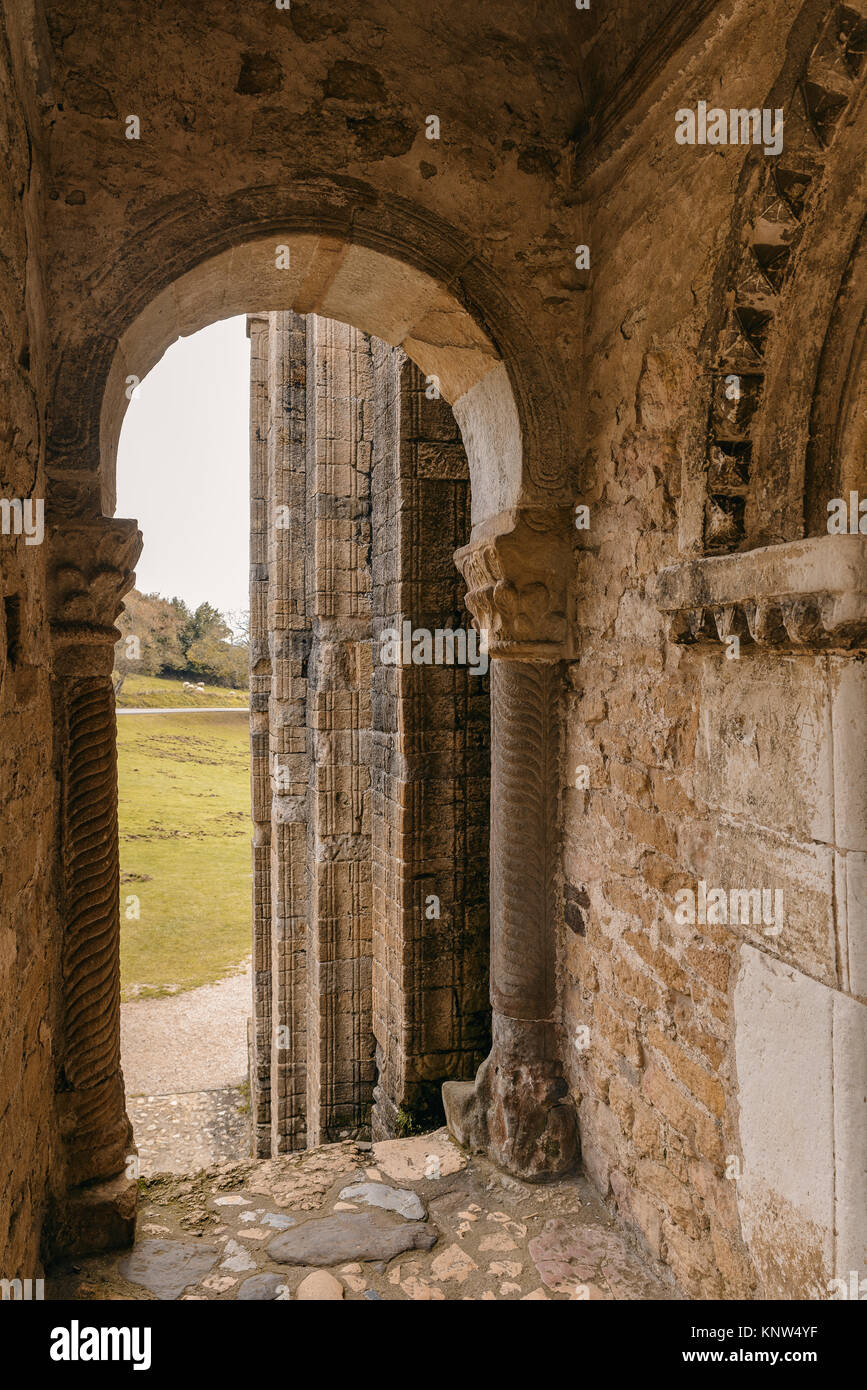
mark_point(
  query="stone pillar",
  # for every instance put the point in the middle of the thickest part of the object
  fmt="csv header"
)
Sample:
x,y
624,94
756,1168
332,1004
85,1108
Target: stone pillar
x,y
90,569
289,638
259,1037
340,1063
517,1110
312,1047
430,767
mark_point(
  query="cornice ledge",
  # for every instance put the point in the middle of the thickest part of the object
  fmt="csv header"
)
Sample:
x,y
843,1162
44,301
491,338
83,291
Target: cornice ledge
x,y
808,594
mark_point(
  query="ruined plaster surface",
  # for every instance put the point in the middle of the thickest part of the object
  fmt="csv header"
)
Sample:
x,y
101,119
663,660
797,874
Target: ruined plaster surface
x,y
802,1097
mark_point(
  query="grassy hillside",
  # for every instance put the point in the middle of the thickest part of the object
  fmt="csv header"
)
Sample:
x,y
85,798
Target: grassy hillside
x,y
184,782
160,692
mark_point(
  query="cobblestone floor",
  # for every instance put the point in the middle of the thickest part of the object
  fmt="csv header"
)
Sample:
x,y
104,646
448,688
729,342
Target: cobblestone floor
x,y
405,1219
192,1130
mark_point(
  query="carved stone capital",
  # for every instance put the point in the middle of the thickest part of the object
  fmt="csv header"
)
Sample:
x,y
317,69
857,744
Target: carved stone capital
x,y
517,568
91,567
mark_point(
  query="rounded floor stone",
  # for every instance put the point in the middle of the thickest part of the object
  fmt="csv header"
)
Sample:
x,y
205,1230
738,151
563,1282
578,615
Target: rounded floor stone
x,y
430,1156
262,1288
319,1286
379,1194
167,1267
349,1236
566,1255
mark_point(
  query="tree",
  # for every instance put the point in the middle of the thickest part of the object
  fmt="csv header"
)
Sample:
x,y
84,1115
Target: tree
x,y
150,644
239,621
222,663
162,637
210,651
206,623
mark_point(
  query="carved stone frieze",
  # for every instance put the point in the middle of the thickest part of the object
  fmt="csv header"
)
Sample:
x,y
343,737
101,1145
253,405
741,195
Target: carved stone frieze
x,y
517,568
808,595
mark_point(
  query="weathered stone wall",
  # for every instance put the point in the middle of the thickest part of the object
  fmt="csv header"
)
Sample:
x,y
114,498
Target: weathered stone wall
x,y
717,1081
29,956
259,1037
289,644
340,1071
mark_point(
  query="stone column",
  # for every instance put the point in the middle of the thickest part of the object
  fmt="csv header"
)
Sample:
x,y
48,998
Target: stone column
x,y
312,1053
259,1034
90,570
517,1110
340,1063
430,766
289,638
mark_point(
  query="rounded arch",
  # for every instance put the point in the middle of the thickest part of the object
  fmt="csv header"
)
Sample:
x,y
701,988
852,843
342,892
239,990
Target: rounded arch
x,y
385,266
793,223
354,284
809,352
838,424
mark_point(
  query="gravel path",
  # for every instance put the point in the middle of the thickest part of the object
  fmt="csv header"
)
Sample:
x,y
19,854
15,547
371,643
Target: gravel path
x,y
195,1041
190,709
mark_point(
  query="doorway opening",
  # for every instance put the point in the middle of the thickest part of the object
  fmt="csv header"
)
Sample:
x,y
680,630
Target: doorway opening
x,y
363,753
181,684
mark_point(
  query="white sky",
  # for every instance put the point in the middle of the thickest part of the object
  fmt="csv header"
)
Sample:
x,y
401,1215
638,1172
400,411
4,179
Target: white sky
x,y
183,469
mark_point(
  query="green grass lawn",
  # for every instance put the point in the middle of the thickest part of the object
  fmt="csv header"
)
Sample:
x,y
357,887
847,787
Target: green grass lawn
x,y
184,782
161,692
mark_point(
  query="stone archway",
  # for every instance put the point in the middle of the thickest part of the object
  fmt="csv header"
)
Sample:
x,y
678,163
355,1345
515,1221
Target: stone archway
x,y
369,770
389,267
516,567
793,224
834,456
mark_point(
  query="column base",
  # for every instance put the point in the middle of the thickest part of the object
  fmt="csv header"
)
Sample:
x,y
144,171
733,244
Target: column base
x,y
96,1217
517,1110
96,1130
